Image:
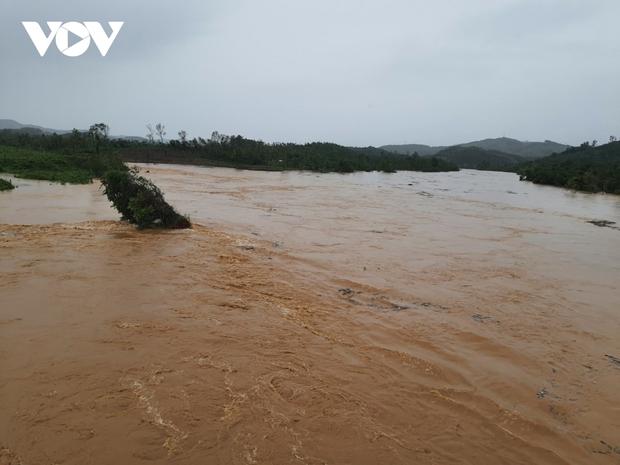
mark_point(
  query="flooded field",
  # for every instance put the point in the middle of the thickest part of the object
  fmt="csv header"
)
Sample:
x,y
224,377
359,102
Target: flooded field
x,y
461,318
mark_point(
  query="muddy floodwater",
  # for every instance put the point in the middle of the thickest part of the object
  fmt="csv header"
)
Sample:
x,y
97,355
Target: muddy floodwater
x,y
408,318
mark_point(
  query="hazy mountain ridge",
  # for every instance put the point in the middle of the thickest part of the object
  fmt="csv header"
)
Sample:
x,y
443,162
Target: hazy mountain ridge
x,y
12,125
420,149
502,144
472,157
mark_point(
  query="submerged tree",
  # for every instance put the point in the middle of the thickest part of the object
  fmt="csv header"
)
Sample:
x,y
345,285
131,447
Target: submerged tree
x,y
140,201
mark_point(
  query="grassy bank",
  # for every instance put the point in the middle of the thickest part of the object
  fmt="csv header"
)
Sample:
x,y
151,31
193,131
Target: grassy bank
x,y
56,167
138,200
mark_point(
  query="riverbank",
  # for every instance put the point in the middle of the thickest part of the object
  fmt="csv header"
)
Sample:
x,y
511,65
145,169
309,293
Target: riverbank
x,y
303,338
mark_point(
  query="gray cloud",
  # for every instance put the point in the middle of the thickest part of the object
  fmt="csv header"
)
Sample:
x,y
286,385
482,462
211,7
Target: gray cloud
x,y
351,71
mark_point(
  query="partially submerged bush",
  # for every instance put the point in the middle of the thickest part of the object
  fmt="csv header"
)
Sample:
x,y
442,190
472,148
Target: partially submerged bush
x,y
6,185
140,202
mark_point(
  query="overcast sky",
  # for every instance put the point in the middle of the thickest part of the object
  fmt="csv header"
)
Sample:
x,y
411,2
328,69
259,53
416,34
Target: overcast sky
x,y
353,72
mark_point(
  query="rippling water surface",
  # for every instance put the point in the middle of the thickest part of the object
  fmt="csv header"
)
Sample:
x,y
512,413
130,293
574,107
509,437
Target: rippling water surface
x,y
449,318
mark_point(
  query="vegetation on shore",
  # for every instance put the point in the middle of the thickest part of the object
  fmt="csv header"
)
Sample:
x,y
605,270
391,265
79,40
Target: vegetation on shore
x,y
589,168
239,152
35,164
6,185
78,158
226,151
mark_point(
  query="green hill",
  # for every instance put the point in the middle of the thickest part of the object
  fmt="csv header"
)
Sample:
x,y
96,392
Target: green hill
x,y
585,168
517,147
471,157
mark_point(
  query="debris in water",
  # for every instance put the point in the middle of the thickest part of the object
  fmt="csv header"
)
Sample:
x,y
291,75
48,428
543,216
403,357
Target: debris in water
x,y
607,449
481,318
604,224
243,245
399,308
542,393
614,360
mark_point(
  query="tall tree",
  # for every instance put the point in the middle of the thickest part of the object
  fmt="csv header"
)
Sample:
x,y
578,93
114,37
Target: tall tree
x,y
160,129
99,133
76,138
150,135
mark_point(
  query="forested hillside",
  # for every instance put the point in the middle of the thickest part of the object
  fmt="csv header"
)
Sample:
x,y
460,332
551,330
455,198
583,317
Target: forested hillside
x,y
587,168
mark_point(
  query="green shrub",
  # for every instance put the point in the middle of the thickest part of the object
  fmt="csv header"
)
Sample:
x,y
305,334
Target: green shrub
x,y
6,185
140,202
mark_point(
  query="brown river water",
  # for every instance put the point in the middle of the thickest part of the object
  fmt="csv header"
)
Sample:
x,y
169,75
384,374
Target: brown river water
x,y
455,318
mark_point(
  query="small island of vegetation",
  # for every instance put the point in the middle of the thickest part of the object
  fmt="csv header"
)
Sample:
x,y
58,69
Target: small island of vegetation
x,y
6,185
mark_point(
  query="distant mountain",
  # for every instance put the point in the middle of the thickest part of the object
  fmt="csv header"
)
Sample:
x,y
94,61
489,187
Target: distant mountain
x,y
15,126
12,125
409,149
471,157
529,150
585,168
130,138
516,147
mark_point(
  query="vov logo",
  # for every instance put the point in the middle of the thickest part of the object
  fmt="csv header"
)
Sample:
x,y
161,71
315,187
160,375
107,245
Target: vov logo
x,y
72,38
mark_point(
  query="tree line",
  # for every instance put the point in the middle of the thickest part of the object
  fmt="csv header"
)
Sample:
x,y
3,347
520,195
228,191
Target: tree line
x,y
222,150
